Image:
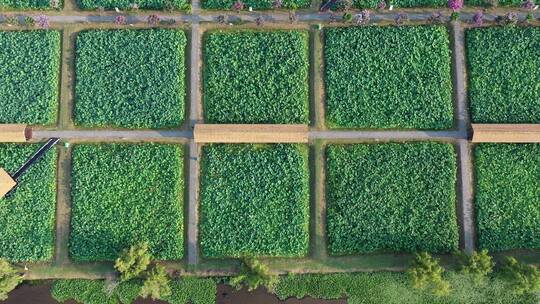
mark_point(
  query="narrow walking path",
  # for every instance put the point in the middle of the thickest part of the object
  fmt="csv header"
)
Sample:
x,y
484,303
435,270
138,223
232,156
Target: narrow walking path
x,y
63,206
388,135
273,16
194,150
465,197
104,135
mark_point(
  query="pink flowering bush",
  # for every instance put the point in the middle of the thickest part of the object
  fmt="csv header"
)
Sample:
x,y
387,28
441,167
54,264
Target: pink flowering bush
x,y
478,18
455,5
238,5
120,20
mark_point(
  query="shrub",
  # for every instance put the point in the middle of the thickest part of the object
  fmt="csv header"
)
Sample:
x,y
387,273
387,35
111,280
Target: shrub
x,y
156,284
500,94
479,265
507,199
128,4
252,275
254,200
133,261
426,273
29,68
123,194
522,278
9,279
130,78
388,77
255,4
391,197
256,77
27,214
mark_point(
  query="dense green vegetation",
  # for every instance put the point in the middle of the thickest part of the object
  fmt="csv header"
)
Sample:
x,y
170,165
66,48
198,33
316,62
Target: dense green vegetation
x,y
504,73
508,196
123,194
255,4
256,77
126,4
130,78
196,290
400,3
254,200
490,3
391,197
28,4
395,288
27,215
29,69
388,77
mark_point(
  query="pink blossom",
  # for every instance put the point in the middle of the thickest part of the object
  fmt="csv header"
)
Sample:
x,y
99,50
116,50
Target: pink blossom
x,y
478,18
238,5
455,5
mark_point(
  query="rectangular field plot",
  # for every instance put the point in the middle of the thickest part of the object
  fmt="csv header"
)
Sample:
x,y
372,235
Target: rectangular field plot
x,y
508,196
123,194
388,77
127,4
256,77
254,200
255,4
130,78
27,4
391,197
372,4
504,73
27,214
29,69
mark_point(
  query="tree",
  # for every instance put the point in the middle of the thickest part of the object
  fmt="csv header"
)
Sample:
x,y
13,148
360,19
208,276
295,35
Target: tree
x,y
426,274
478,265
156,284
133,261
521,277
9,279
254,274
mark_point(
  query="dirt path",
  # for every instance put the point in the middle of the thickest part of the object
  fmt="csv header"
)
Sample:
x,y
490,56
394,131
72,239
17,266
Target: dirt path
x,y
63,207
62,17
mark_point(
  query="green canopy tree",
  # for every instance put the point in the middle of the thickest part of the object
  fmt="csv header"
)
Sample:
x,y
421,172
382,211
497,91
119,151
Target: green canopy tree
x,y
479,265
427,274
133,261
9,279
254,274
156,284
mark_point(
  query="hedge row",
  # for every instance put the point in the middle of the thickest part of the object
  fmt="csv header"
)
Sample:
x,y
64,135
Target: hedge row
x,y
130,78
256,77
123,194
395,288
504,74
391,197
184,291
508,196
126,4
388,77
254,200
29,69
27,214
